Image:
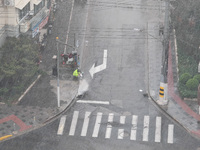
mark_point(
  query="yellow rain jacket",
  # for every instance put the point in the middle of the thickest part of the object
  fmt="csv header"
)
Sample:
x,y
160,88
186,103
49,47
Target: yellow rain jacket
x,y
76,73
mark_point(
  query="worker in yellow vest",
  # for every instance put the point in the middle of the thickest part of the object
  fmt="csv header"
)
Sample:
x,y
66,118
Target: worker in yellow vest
x,y
76,73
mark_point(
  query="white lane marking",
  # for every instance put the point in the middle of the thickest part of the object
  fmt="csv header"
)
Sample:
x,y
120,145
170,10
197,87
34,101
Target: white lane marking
x,y
70,18
120,134
158,129
122,119
85,124
170,138
146,128
61,125
101,67
109,126
134,127
74,122
97,125
93,102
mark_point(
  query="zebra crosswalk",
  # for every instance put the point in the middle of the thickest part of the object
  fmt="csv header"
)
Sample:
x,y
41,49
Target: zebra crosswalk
x,y
132,127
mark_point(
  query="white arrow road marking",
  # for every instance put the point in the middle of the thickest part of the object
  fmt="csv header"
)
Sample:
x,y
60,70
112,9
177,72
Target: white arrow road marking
x,y
61,125
99,68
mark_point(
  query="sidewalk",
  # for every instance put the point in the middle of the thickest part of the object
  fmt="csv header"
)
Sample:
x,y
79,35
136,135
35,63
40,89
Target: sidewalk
x,y
40,104
37,106
176,108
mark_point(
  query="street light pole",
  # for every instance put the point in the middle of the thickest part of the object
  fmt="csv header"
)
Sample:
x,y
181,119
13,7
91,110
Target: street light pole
x,y
58,85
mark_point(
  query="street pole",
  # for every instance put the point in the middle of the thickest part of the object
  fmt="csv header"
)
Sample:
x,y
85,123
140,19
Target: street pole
x,y
58,85
165,41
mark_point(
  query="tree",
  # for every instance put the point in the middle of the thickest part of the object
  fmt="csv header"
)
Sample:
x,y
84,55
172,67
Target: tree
x,y
18,63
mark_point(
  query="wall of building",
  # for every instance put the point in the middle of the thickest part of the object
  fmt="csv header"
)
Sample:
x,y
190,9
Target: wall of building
x,y
10,25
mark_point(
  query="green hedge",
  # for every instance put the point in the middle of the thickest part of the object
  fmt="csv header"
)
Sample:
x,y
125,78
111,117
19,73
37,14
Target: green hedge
x,y
185,77
192,84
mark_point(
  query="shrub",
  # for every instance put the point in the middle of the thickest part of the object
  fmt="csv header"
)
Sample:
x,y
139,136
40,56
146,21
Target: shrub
x,y
3,91
185,77
192,84
197,76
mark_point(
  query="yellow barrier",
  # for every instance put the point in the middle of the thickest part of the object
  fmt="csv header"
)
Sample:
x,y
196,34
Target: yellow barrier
x,y
161,92
5,137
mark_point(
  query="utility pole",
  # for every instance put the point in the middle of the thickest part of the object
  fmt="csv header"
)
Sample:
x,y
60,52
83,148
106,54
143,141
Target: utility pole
x,y
165,41
58,80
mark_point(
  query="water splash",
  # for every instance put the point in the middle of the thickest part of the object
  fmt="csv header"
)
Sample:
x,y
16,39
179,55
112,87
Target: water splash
x,y
83,87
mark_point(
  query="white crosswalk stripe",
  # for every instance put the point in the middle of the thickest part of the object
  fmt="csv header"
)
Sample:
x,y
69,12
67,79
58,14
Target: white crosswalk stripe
x,y
109,126
146,128
134,127
74,122
121,131
97,125
158,129
170,133
85,124
112,125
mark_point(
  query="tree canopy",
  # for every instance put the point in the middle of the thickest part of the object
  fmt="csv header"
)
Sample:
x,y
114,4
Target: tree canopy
x,y
18,64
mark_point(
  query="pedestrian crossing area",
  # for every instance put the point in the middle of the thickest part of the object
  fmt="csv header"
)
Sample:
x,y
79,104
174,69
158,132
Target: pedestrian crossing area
x,y
110,125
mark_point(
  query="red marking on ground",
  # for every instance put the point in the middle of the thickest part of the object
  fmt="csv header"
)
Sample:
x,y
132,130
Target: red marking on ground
x,y
197,132
16,120
171,88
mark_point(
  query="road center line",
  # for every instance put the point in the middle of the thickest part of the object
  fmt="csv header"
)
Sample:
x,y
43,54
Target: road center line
x,y
74,122
61,125
93,102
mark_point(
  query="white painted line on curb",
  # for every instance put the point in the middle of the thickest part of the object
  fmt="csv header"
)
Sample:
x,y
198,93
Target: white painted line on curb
x,y
61,125
109,126
158,129
170,138
97,125
74,122
134,127
146,128
93,102
85,124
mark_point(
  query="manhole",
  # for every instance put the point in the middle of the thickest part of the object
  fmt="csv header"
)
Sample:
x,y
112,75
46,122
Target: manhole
x,y
124,134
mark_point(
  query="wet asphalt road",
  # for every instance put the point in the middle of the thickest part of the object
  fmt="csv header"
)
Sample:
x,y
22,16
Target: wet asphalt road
x,y
108,25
